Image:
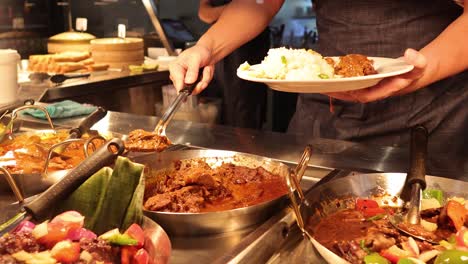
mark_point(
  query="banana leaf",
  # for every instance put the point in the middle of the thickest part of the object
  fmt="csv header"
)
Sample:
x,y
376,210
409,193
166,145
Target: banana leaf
x,y
110,198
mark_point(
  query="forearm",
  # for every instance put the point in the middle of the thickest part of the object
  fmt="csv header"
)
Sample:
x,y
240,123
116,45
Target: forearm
x,y
446,55
239,22
209,14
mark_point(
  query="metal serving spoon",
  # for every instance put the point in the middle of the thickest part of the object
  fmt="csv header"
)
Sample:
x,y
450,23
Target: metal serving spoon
x,y
416,181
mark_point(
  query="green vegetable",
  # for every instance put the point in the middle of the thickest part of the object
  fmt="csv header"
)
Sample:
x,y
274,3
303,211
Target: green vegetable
x,y
150,67
88,198
135,68
447,244
452,239
110,198
375,217
122,240
405,261
433,193
134,213
375,258
362,244
124,180
323,76
452,257
284,60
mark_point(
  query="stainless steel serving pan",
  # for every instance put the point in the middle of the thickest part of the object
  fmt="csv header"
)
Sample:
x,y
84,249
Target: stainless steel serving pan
x,y
157,242
319,200
221,221
32,183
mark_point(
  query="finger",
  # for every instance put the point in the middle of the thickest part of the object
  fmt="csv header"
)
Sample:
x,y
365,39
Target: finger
x,y
385,88
418,60
344,96
193,67
177,75
208,72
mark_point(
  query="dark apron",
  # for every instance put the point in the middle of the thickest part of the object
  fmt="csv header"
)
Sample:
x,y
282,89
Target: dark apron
x,y
386,28
244,102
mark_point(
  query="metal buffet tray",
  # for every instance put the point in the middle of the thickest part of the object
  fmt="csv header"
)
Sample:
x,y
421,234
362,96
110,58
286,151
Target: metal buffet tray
x,y
274,241
262,240
256,244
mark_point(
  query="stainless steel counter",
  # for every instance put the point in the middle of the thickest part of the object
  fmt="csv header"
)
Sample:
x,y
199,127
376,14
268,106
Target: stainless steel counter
x,y
327,154
267,243
121,91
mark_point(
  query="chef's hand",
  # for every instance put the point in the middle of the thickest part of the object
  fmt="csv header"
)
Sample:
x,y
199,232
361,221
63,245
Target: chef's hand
x,y
185,68
397,85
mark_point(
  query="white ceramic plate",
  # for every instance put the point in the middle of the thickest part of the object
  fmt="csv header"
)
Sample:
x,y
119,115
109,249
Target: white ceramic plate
x,y
386,67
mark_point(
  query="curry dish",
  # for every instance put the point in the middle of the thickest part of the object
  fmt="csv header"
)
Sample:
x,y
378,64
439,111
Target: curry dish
x,y
140,140
27,153
363,232
195,188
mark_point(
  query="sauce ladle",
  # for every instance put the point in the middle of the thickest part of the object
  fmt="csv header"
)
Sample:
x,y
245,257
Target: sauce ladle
x,y
416,181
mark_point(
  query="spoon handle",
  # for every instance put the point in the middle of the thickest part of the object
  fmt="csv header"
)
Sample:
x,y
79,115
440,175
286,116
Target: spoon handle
x,y
418,153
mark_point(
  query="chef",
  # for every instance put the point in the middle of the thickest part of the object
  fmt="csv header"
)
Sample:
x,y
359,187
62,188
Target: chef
x,y
431,36
244,102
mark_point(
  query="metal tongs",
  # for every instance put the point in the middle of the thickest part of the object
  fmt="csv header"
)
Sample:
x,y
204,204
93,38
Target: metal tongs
x,y
160,129
416,183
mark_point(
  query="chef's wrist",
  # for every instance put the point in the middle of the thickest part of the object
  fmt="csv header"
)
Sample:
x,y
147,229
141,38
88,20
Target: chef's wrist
x,y
208,47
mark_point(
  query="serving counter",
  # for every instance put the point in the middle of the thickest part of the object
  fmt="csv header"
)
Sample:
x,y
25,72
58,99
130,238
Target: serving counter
x,y
117,90
278,239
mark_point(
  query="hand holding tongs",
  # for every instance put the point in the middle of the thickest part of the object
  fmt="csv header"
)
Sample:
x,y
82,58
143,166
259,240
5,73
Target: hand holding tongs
x,y
160,128
157,140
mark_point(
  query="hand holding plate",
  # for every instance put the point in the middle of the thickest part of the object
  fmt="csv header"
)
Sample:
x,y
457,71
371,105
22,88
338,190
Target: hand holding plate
x,y
397,85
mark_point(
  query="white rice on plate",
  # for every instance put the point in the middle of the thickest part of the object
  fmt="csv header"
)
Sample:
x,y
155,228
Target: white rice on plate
x,y
290,64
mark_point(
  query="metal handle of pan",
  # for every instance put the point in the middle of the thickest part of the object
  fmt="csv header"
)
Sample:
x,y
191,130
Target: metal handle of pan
x,y
90,142
62,145
88,122
14,113
418,153
12,183
416,177
103,156
293,180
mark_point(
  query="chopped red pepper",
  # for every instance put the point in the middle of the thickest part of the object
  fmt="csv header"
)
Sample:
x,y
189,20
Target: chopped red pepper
x,y
369,207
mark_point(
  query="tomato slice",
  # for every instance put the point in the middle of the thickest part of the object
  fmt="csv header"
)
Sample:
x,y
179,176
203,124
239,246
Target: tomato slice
x,y
369,207
127,253
56,232
66,251
137,233
369,212
141,257
362,204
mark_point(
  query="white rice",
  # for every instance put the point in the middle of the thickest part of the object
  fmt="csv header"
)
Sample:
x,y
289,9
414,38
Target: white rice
x,y
290,64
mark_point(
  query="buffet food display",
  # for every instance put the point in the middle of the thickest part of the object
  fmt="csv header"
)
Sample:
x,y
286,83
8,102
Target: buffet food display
x,y
65,240
27,152
362,233
201,192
